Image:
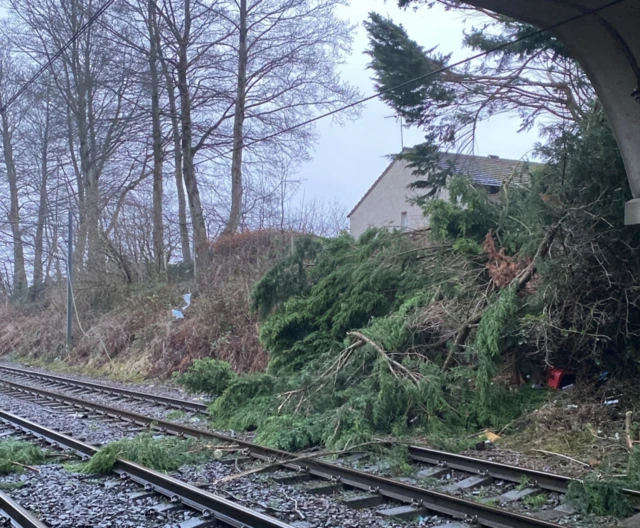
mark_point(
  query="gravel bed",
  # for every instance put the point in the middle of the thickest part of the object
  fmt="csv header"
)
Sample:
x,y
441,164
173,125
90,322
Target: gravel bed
x,y
152,387
92,430
291,503
279,501
64,499
141,407
545,464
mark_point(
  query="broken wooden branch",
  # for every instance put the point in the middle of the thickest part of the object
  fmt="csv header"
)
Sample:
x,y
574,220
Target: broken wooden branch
x,y
562,456
391,362
294,460
520,282
30,468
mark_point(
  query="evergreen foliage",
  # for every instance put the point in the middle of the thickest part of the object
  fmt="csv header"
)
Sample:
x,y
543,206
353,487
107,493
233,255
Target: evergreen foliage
x,y
16,453
346,285
390,44
491,332
208,376
597,497
162,454
327,386
358,330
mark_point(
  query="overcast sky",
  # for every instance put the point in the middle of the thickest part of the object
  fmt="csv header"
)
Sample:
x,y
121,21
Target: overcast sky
x,y
349,158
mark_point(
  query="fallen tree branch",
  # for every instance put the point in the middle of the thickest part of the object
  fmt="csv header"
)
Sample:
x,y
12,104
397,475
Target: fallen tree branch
x,y
391,362
520,282
31,468
290,461
562,456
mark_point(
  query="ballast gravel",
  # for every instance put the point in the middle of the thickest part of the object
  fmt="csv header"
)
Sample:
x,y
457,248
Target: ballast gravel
x,y
290,503
155,387
79,424
63,499
158,411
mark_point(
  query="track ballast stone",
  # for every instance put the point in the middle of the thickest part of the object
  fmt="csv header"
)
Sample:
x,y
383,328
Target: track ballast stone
x,y
93,431
63,499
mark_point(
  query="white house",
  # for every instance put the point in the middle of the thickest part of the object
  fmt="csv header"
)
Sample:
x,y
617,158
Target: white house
x,y
389,201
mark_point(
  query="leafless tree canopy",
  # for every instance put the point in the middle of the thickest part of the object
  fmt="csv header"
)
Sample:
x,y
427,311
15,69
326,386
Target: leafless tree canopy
x,y
165,124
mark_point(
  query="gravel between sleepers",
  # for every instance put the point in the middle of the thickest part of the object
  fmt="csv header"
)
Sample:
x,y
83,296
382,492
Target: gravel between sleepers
x,y
64,499
93,431
141,407
291,504
152,387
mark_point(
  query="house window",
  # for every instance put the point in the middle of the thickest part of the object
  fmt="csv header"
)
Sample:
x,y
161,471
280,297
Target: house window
x,y
404,220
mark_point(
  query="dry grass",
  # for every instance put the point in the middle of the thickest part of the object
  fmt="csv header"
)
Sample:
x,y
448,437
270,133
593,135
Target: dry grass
x,y
577,425
128,331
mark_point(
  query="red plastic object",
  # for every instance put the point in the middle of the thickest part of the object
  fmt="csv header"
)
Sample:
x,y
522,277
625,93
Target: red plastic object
x,y
558,378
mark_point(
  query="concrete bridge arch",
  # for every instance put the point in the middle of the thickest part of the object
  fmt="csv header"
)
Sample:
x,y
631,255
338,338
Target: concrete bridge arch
x,y
607,44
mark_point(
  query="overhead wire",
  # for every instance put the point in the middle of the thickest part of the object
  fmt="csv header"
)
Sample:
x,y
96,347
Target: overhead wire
x,y
57,54
438,71
343,108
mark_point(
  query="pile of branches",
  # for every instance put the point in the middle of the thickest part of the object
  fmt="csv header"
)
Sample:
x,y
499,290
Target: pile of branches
x,y
391,332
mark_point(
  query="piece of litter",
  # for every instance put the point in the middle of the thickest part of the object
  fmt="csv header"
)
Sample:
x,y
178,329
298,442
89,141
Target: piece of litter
x,y
187,299
572,406
177,314
491,437
610,402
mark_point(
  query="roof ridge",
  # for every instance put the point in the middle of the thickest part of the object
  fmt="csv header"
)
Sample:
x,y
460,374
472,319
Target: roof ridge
x,y
482,176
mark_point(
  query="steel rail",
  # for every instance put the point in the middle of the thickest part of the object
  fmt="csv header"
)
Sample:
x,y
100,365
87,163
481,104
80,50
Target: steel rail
x,y
176,403
213,506
18,516
539,479
543,480
481,514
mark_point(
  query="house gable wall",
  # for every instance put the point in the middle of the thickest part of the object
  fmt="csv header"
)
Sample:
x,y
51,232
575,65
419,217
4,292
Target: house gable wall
x,y
387,199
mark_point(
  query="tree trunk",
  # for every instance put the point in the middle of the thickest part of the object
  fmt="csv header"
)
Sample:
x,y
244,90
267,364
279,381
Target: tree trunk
x,y
185,243
38,264
193,193
19,272
158,154
238,127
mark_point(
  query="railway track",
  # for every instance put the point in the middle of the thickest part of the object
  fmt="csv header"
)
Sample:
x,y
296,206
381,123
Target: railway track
x,y
14,515
214,509
87,387
372,488
440,459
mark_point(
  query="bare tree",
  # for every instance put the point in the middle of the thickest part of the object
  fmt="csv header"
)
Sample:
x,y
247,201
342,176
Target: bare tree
x,y
238,122
158,150
286,56
7,71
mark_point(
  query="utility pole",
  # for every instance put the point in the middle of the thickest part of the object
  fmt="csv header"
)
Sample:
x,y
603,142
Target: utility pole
x,y
69,286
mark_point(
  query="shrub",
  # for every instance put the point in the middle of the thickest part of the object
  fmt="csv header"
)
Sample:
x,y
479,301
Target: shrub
x,y
208,376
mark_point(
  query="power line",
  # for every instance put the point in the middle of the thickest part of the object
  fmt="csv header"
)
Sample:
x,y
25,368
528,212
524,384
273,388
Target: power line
x,y
58,53
462,62
505,45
